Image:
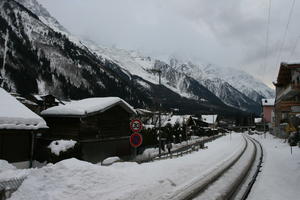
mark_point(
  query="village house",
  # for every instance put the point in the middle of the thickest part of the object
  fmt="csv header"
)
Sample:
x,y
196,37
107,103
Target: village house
x,y
181,120
44,101
287,101
267,110
18,129
99,125
211,120
259,124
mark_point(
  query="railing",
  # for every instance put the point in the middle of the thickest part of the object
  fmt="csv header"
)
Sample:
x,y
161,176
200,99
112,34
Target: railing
x,y
7,187
182,151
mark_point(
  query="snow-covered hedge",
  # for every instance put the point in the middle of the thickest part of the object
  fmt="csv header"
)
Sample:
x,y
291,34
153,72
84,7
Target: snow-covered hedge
x,y
59,146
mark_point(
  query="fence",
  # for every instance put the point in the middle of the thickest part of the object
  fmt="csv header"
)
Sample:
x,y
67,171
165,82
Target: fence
x,y
9,186
195,146
187,149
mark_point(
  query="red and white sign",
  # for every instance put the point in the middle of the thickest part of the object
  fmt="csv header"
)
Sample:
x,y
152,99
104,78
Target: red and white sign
x,y
136,125
136,140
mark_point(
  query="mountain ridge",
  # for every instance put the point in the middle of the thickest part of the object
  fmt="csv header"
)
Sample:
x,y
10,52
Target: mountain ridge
x,y
61,58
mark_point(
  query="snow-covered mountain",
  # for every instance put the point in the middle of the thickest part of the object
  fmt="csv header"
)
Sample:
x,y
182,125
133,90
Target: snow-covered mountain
x,y
39,59
240,80
205,84
43,14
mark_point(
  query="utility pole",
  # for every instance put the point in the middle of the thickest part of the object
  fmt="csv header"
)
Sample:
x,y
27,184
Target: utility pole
x,y
159,111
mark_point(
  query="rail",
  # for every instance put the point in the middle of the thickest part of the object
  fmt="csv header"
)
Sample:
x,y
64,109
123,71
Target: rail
x,y
195,189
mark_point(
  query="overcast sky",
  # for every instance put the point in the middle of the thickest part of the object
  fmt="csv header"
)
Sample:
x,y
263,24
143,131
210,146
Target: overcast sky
x,y
229,33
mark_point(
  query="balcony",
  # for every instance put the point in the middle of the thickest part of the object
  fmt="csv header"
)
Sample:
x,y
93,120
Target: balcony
x,y
288,92
288,106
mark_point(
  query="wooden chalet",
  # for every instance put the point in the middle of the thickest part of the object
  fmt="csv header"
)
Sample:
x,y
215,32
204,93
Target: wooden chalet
x,y
287,101
18,129
99,125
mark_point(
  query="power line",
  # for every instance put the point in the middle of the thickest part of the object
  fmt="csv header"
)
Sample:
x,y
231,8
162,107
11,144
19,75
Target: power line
x,y
285,32
295,47
267,37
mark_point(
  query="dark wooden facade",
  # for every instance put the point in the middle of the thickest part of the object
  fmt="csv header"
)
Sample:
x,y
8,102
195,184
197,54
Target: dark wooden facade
x,y
100,135
16,145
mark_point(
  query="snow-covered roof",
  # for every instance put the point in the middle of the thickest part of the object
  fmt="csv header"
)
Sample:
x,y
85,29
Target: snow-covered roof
x,y
88,106
38,97
14,115
41,97
143,111
268,102
210,119
257,120
179,119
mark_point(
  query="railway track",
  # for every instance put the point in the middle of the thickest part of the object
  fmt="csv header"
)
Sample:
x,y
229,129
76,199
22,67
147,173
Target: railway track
x,y
232,179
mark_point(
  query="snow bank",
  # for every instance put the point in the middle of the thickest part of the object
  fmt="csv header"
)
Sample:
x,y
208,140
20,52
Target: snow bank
x,y
9,172
280,175
58,146
79,180
4,166
87,106
111,160
14,115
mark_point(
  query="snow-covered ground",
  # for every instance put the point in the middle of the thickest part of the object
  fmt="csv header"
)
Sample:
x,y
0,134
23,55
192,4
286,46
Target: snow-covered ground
x,y
280,176
78,180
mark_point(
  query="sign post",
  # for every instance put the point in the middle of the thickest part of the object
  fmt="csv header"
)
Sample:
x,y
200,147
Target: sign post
x,y
136,125
136,139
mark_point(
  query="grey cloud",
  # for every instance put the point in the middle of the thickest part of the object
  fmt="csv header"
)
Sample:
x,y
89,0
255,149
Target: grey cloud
x,y
228,33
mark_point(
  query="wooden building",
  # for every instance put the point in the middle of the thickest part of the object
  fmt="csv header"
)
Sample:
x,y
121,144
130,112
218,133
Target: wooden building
x,y
287,101
99,125
44,101
18,129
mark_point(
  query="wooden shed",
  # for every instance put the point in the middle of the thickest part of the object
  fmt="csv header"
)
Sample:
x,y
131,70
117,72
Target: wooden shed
x,y
99,125
44,101
18,129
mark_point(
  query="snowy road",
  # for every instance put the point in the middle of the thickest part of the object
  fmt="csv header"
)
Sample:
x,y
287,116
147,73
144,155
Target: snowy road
x,y
77,180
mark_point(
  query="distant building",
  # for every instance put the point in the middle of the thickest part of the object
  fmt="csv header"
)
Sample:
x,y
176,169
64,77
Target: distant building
x,y
99,125
259,124
267,110
181,120
210,119
18,129
44,101
29,104
267,107
287,102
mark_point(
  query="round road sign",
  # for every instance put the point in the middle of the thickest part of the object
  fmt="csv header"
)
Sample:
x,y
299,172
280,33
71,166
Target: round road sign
x,y
136,139
136,125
